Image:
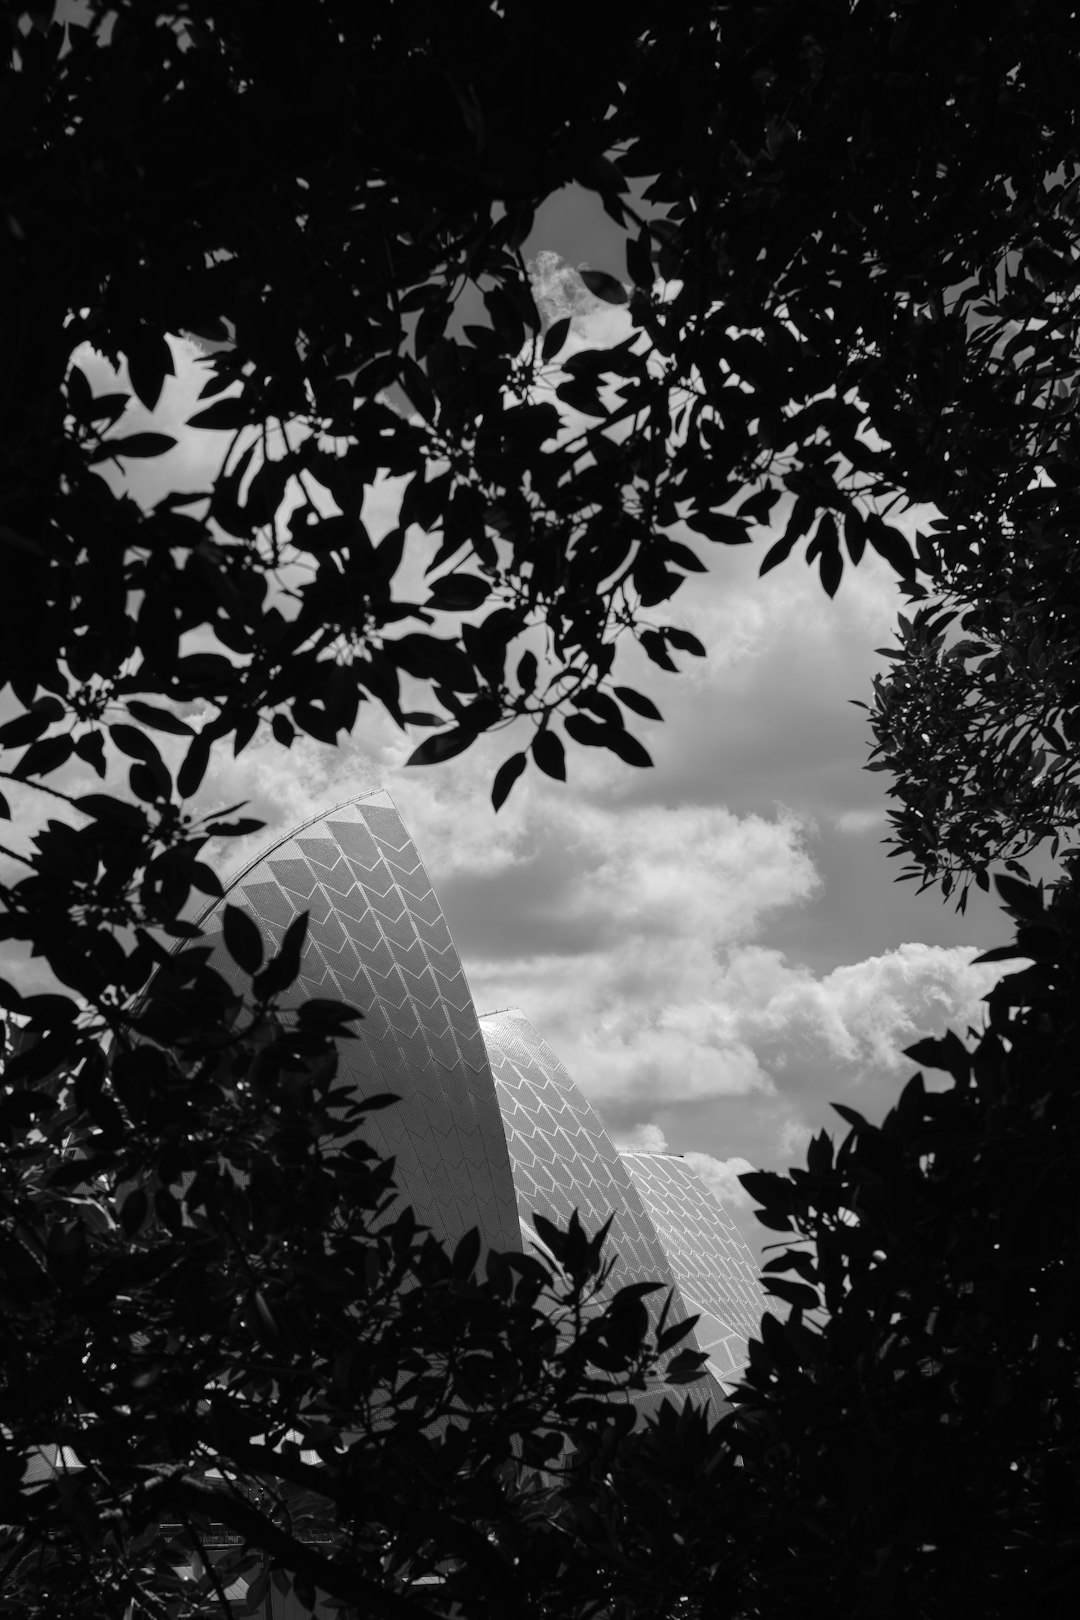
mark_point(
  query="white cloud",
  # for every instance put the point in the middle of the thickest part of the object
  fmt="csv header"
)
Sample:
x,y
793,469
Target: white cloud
x,y
642,1139
196,457
607,932
559,292
860,1015
721,1176
638,917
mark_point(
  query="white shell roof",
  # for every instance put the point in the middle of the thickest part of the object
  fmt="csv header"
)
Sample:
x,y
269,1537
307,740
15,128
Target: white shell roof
x,y
491,1127
377,938
709,1259
667,1227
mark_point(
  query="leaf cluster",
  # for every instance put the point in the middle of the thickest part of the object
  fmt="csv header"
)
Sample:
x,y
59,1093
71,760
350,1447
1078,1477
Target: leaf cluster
x,y
914,1423
227,1341
850,289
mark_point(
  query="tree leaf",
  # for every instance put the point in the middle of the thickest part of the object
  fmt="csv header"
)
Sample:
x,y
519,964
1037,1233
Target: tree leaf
x,y
831,569
243,941
41,758
159,719
149,361
132,444
683,557
721,527
224,415
605,286
948,1052
190,775
554,338
628,748
283,969
459,592
443,745
133,742
505,777
685,641
638,702
889,543
590,733
28,727
549,754
798,1294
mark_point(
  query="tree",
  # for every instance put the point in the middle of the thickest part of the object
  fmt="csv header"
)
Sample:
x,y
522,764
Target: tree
x,y
212,1326
978,717
838,334
914,1428
850,289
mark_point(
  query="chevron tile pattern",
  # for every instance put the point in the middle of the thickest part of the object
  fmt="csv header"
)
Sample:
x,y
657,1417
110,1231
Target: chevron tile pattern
x,y
560,1154
377,938
562,1158
490,1127
707,1255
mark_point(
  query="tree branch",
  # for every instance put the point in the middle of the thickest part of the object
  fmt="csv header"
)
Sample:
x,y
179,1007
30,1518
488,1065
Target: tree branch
x,y
334,1578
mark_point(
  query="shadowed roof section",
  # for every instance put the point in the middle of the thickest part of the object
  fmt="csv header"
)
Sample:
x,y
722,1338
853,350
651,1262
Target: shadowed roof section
x,y
560,1154
714,1268
377,938
563,1159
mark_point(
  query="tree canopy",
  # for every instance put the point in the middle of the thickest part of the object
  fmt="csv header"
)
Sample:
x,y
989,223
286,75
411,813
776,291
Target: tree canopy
x,y
215,1335
914,1429
978,716
848,294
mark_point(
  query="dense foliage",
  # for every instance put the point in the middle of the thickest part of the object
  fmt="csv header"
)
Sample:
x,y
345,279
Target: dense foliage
x,y
977,719
849,305
916,1429
216,1329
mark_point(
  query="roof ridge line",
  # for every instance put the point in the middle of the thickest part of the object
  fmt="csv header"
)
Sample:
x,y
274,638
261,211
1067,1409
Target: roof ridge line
x,y
294,832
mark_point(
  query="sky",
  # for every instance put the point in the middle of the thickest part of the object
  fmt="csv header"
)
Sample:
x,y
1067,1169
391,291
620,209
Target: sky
x,y
715,947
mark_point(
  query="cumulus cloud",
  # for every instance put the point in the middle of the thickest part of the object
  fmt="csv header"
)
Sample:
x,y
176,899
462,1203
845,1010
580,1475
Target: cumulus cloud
x,y
721,1176
642,1139
608,929
560,292
686,938
862,1014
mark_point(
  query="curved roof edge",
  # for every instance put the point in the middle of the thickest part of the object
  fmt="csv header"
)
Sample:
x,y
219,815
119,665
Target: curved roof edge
x,y
708,1255
264,854
562,1158
377,938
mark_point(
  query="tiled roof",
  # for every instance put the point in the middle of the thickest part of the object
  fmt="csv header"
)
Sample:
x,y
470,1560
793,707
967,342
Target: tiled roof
x,y
562,1159
377,938
560,1154
490,1127
708,1256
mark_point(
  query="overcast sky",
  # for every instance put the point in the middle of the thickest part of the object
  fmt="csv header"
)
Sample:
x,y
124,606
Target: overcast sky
x,y
714,947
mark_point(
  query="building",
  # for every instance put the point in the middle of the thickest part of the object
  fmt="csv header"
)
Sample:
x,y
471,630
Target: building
x,y
491,1127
